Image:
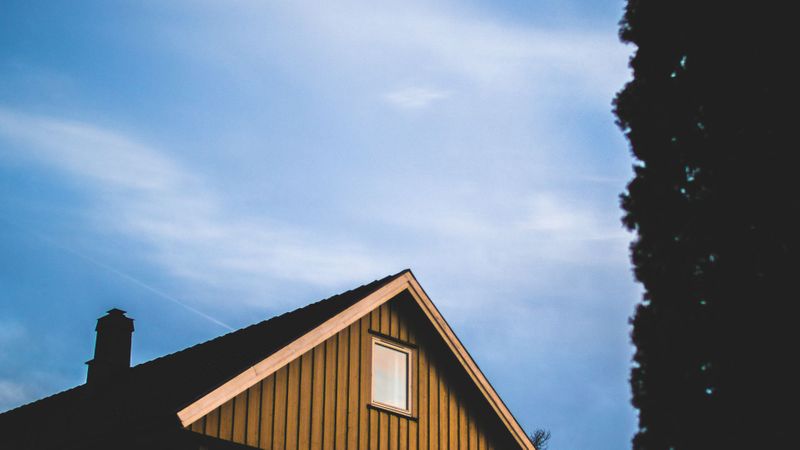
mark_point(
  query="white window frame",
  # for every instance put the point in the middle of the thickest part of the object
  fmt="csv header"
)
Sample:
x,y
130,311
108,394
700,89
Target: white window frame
x,y
409,380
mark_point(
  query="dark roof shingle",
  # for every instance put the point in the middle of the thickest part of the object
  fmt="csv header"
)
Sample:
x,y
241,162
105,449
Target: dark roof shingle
x,y
150,394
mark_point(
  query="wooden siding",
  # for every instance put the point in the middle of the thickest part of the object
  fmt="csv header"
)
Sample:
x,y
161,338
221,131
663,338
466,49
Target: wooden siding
x,y
321,399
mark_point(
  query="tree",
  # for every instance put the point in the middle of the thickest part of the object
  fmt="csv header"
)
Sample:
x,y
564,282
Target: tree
x,y
540,439
714,205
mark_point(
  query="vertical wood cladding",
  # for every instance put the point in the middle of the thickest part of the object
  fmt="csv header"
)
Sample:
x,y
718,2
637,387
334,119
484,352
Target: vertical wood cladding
x,y
321,399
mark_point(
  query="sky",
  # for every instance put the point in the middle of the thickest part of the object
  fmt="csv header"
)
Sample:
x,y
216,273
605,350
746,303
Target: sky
x,y
206,165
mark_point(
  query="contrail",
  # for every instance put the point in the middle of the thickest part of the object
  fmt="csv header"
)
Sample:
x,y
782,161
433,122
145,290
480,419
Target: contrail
x,y
119,273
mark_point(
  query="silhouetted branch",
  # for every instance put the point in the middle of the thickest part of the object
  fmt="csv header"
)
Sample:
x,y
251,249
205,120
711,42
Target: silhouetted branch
x,y
540,439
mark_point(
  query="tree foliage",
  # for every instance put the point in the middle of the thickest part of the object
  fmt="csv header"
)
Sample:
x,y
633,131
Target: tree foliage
x,y
540,439
714,205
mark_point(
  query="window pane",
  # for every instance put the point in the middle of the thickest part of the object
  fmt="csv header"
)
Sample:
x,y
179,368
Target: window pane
x,y
389,376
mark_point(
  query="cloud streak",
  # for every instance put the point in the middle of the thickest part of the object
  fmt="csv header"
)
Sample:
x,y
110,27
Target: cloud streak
x,y
340,141
150,197
454,41
411,43
415,97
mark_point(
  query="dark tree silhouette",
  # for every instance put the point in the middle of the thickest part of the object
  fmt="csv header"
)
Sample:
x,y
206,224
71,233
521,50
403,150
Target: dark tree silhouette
x,y
715,208
540,439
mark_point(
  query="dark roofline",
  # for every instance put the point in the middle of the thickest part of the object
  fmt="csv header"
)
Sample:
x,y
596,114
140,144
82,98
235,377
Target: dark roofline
x,y
153,365
266,322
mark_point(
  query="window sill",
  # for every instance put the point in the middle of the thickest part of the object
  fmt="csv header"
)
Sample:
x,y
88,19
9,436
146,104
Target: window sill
x,y
404,415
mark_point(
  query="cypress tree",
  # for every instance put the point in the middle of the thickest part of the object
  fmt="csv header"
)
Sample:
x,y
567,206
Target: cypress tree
x,y
714,204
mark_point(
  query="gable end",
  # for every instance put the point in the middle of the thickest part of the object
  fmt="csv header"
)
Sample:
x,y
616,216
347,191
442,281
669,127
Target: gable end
x,y
294,354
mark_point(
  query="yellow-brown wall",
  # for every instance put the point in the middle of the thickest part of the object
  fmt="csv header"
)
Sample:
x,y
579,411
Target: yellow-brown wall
x,y
321,400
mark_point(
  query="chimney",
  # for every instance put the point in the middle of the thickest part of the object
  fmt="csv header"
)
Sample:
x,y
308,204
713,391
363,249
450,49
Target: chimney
x,y
112,349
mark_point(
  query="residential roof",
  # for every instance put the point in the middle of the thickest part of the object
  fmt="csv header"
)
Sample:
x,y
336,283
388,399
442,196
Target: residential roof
x,y
147,406
150,393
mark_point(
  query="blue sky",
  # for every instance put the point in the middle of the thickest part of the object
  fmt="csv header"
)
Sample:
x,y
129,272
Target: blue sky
x,y
205,165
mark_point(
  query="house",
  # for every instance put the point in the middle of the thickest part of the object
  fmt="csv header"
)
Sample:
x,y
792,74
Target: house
x,y
376,367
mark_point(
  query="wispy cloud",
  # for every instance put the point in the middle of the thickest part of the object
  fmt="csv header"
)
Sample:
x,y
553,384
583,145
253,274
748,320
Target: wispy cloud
x,y
419,39
151,198
415,97
416,55
306,177
154,199
531,242
386,44
409,55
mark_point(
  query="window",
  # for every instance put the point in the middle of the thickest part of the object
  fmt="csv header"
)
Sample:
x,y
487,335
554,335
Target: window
x,y
391,368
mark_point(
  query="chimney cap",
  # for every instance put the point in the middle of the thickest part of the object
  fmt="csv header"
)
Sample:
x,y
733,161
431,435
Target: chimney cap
x,y
116,319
